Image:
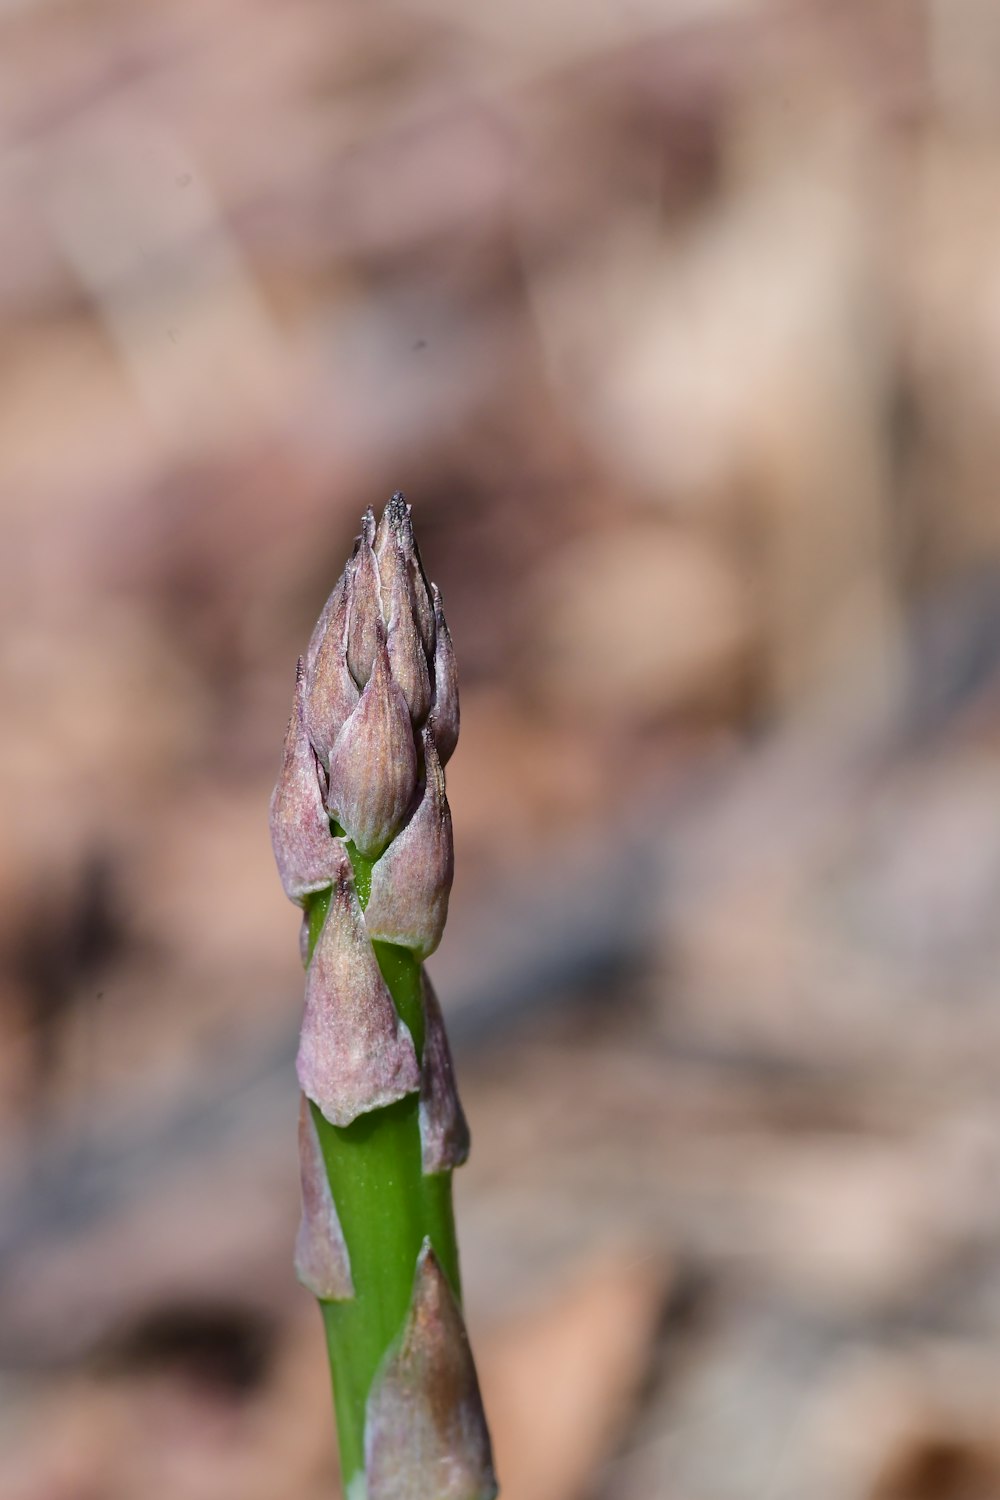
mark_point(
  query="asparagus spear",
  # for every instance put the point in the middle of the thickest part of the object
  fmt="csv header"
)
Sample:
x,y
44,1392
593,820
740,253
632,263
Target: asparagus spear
x,y
362,838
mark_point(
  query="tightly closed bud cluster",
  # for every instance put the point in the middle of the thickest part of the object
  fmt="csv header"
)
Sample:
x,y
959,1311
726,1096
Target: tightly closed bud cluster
x,y
381,694
375,722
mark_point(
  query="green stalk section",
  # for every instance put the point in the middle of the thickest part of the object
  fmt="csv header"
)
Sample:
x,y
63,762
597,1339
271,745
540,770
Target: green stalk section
x,y
386,1206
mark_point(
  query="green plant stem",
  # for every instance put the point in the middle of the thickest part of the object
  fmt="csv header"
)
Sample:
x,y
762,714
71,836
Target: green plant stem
x,y
386,1206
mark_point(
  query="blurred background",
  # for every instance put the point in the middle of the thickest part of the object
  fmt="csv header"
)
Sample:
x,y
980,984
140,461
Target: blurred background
x,y
679,325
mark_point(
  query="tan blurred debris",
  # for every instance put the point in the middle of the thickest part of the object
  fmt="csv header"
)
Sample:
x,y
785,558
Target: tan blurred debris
x,y
559,1381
